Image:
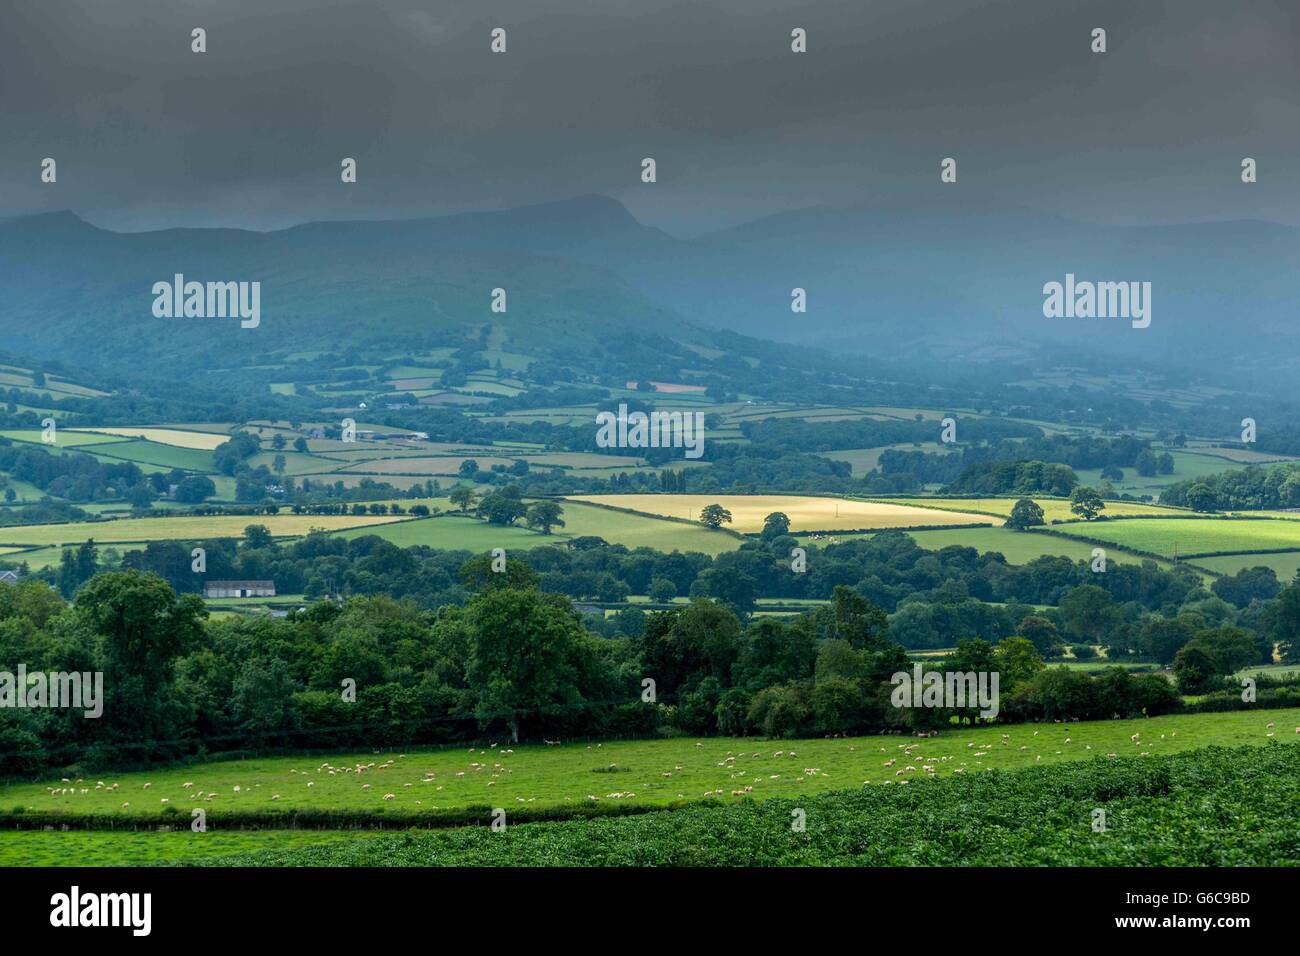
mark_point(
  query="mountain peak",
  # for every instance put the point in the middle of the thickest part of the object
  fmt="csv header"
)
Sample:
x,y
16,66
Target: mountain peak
x,y
59,219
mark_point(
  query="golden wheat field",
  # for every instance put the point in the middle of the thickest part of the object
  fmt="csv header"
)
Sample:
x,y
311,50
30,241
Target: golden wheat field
x,y
806,513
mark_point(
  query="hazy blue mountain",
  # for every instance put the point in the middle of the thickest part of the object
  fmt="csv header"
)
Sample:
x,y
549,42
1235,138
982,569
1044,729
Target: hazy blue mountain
x,y
948,278
74,291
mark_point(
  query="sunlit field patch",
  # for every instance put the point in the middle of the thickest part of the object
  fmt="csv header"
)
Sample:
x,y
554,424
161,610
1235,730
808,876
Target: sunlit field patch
x,y
166,436
805,513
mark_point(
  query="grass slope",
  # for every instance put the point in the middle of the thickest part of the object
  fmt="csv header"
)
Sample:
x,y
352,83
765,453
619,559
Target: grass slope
x,y
1211,807
649,772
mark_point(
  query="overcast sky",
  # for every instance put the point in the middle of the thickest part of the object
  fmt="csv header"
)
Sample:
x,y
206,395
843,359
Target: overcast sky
x,y
251,133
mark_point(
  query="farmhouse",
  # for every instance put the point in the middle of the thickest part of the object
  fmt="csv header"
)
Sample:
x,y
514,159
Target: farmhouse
x,y
238,589
11,577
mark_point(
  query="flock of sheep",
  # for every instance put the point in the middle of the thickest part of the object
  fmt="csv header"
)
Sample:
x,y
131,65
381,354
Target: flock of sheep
x,y
913,763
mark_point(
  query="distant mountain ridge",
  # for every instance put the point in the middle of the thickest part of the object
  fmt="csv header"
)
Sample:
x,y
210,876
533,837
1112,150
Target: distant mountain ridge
x,y
892,278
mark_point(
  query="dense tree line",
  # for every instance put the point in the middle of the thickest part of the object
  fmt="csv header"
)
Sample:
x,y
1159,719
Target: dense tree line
x,y
1244,489
513,662
76,476
1139,611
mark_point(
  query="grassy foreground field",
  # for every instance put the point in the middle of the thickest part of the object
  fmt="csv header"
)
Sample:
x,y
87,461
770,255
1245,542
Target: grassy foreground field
x,y
107,848
648,772
1210,807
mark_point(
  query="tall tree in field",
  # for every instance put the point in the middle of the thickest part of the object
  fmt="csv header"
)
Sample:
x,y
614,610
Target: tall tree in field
x,y
1025,513
78,567
714,515
528,659
142,627
1284,623
544,515
775,525
1086,503
462,496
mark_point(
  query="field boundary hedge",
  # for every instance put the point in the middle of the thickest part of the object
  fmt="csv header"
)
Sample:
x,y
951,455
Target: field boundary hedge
x,y
312,819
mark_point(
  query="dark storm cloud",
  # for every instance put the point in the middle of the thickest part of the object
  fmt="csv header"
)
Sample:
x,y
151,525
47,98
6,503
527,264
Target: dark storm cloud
x,y
251,133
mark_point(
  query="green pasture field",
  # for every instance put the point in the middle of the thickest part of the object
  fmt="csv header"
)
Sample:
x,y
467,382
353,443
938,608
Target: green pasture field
x,y
38,558
114,448
1189,536
642,531
643,773
440,466
1271,670
25,491
1018,547
489,387
511,361
1206,807
148,453
863,460
181,527
1187,464
1286,564
63,438
295,463
455,532
216,428
581,459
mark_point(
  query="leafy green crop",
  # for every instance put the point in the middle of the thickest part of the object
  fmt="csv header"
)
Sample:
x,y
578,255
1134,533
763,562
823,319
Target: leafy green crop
x,y
1211,807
